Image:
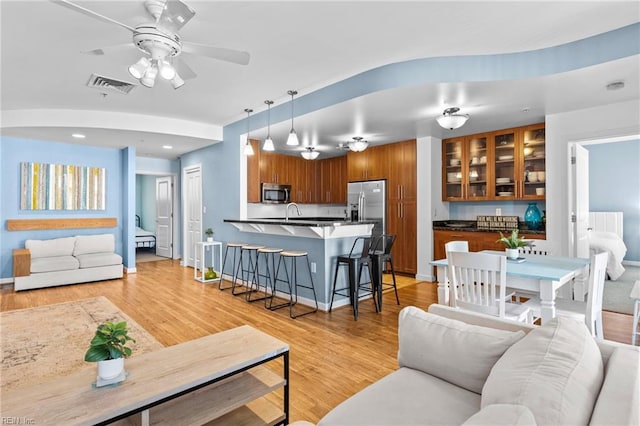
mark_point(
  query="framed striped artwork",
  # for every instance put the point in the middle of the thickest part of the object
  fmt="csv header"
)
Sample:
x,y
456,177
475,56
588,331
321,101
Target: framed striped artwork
x,y
61,187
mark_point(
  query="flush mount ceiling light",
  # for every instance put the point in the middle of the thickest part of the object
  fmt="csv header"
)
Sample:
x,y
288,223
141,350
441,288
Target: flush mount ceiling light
x,y
358,145
293,137
248,149
268,142
310,153
450,120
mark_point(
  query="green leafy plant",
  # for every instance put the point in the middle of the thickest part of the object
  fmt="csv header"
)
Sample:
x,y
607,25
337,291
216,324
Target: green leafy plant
x,y
210,274
513,242
109,342
208,232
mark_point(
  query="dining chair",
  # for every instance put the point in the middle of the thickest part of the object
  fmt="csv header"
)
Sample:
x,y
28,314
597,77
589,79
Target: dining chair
x,y
590,311
478,283
456,246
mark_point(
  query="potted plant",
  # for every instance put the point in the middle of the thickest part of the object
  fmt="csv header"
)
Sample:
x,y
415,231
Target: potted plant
x,y
513,242
209,233
108,348
210,274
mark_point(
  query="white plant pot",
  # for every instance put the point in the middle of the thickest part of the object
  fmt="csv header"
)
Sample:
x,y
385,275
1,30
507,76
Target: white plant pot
x,y
512,253
209,239
111,368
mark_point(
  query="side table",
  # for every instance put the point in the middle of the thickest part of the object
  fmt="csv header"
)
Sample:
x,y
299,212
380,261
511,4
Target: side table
x,y
635,294
215,255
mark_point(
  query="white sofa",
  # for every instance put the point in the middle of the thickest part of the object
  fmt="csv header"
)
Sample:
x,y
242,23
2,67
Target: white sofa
x,y
70,260
458,367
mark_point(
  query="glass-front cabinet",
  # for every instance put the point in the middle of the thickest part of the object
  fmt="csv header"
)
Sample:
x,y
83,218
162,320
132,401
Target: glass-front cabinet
x,y
534,164
505,165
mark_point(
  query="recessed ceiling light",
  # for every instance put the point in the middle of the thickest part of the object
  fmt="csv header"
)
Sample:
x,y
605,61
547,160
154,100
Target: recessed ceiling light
x,y
167,146
616,85
78,136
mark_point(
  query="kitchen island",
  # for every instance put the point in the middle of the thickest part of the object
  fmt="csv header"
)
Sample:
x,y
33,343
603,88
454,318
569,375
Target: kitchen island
x,y
324,239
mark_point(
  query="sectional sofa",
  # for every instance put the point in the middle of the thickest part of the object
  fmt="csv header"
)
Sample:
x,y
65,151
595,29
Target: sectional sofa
x,y
70,260
458,367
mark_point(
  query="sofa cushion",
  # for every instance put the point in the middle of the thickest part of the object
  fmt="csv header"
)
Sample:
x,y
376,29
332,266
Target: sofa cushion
x,y
94,260
619,399
50,248
406,397
502,414
51,264
100,243
460,353
556,371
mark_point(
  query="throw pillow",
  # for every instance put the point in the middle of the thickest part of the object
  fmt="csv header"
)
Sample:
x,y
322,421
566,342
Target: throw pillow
x,y
502,414
460,353
556,371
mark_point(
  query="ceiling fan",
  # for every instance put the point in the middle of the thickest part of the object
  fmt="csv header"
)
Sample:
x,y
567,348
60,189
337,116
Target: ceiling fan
x,y
161,44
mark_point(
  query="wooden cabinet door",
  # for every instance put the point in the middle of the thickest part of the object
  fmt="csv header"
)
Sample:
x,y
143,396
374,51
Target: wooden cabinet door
x,y
296,178
338,181
267,174
253,173
377,162
532,154
408,239
453,169
356,166
506,165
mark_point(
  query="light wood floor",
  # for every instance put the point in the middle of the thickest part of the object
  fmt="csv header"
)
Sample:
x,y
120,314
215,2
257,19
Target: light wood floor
x,y
332,356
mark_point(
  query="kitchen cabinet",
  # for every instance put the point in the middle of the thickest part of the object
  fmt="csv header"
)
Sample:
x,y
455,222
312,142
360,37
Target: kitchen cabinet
x,y
401,171
253,173
506,164
333,180
274,168
370,164
304,180
477,240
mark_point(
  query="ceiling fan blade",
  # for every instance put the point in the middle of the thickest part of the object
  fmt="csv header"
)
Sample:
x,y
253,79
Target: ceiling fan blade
x,y
111,49
91,13
175,15
229,55
184,70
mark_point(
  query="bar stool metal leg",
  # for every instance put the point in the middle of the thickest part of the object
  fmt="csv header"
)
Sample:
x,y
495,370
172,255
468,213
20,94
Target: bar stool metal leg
x,y
294,283
248,273
254,285
234,269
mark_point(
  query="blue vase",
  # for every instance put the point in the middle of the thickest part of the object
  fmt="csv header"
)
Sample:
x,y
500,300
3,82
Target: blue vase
x,y
532,217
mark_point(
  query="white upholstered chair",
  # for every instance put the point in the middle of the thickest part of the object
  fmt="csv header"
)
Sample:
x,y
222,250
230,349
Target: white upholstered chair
x,y
478,283
590,311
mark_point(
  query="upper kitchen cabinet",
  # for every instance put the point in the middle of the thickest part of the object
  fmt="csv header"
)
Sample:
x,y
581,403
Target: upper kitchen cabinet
x,y
534,164
370,164
401,171
253,173
333,180
506,164
465,168
304,180
273,168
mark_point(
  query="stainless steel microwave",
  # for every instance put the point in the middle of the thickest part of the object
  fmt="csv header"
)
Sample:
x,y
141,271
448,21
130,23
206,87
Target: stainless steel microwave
x,y
273,193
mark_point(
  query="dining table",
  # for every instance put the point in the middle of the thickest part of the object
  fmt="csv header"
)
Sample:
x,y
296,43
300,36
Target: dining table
x,y
544,275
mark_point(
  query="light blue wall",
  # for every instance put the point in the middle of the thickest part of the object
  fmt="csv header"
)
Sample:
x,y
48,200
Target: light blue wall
x,y
146,201
614,185
14,151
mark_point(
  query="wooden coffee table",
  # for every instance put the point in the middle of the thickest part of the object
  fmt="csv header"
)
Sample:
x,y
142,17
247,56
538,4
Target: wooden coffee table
x,y
219,378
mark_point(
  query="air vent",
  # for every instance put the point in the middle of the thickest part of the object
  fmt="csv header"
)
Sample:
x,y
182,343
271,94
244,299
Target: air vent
x,y
105,83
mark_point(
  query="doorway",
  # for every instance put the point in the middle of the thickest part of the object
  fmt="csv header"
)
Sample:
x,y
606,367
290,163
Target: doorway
x,y
192,211
155,219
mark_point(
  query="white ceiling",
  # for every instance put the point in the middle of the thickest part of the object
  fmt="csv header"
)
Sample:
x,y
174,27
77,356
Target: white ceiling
x,y
304,45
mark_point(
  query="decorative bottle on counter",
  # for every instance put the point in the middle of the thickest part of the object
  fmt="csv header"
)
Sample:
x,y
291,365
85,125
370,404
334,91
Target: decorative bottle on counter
x,y
532,217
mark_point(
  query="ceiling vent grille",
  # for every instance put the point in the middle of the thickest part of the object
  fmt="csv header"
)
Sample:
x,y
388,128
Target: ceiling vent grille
x,y
108,84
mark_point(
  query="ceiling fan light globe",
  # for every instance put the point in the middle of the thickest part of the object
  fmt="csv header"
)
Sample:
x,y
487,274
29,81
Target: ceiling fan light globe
x,y
166,70
292,140
177,82
268,144
149,77
138,69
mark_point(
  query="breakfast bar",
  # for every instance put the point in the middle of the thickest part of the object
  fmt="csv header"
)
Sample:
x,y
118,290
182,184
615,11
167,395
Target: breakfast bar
x,y
324,239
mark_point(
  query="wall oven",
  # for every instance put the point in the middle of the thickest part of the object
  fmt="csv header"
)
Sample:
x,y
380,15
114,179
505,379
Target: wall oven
x,y
275,194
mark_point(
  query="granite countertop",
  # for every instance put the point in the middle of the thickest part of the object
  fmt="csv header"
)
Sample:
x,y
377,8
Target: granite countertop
x,y
302,221
470,226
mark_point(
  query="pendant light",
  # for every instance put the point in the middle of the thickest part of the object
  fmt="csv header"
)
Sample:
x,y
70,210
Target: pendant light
x,y
268,142
248,149
309,153
293,138
450,120
358,145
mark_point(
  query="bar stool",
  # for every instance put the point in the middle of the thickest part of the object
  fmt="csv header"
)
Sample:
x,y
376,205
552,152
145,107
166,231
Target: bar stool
x,y
635,294
269,254
292,281
248,272
234,266
357,258
382,258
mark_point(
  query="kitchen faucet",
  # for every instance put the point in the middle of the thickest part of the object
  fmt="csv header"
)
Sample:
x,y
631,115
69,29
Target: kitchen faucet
x,y
286,213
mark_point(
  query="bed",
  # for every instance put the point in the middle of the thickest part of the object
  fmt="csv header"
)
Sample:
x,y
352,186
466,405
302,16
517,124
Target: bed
x,y
144,238
605,234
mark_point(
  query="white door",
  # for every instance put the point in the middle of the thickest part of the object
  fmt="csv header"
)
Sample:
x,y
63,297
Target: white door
x,y
164,216
579,196
193,212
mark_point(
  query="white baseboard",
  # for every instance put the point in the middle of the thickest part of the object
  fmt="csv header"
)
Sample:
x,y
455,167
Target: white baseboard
x,y
631,263
6,280
130,270
421,277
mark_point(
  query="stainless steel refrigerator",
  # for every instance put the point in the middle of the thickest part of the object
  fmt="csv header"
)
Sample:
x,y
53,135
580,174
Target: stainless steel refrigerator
x,y
369,202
